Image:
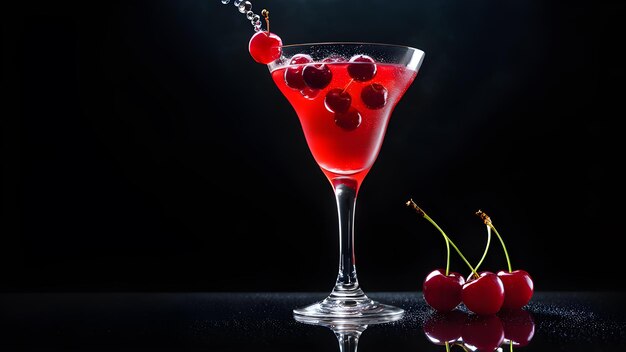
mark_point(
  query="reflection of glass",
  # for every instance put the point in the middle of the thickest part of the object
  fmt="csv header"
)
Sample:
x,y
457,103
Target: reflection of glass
x,y
480,333
347,331
344,108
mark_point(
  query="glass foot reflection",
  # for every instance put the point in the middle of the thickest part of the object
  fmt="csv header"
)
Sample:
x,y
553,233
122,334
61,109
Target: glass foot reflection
x,y
347,331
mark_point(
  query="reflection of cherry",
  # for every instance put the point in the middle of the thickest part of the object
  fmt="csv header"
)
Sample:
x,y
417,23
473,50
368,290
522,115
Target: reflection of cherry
x,y
444,327
519,326
479,332
486,333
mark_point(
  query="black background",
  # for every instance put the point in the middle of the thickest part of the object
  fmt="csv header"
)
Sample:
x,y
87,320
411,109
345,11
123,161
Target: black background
x,y
143,149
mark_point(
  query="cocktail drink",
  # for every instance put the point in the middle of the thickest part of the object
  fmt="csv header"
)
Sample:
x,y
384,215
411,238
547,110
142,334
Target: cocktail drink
x,y
344,95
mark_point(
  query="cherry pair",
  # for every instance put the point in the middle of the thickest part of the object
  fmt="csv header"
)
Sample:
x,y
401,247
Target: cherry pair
x,y
485,292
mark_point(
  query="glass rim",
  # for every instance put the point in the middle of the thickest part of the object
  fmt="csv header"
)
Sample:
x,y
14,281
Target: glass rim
x,y
399,46
416,55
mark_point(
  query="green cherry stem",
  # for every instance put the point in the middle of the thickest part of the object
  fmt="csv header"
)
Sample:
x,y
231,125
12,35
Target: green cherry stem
x,y
486,249
487,220
421,212
461,345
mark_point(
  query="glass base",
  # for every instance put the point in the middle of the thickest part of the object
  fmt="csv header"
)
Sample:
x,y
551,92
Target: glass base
x,y
354,306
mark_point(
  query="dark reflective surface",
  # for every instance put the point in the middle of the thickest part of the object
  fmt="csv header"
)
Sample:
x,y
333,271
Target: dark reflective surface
x,y
555,321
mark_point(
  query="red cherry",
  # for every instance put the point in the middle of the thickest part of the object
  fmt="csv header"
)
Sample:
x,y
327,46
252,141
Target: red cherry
x,y
519,326
483,295
486,333
441,292
374,96
337,100
442,327
317,76
293,73
518,288
349,120
265,47
362,68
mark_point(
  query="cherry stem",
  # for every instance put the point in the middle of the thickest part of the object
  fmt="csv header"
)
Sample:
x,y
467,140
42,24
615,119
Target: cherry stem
x,y
265,13
421,212
487,220
486,248
447,256
460,345
447,344
347,85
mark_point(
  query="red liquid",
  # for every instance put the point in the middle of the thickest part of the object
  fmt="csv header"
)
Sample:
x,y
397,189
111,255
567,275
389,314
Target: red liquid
x,y
340,152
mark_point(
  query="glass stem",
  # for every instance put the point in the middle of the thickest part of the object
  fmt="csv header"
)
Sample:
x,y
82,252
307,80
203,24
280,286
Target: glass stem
x,y
347,284
348,342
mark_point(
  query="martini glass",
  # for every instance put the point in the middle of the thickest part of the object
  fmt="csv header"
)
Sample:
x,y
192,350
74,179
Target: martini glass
x,y
343,94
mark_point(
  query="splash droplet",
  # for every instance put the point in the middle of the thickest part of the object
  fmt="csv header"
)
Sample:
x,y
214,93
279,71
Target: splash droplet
x,y
245,6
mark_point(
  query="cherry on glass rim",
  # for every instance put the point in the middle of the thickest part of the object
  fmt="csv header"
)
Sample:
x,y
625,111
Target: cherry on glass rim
x,y
265,47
